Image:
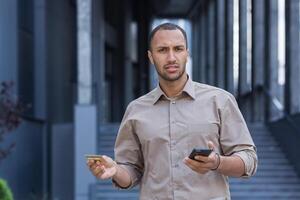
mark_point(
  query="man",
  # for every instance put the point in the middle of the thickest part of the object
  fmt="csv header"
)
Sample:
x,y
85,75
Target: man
x,y
160,129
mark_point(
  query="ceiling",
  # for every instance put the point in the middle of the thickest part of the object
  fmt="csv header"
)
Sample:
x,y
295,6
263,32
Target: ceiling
x,y
174,8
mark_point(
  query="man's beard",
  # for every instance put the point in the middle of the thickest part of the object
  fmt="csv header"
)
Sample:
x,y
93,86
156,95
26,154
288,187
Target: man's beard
x,y
168,78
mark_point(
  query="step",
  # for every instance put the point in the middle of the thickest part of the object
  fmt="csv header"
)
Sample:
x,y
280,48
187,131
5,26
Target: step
x,y
275,177
267,194
279,160
281,173
269,180
267,187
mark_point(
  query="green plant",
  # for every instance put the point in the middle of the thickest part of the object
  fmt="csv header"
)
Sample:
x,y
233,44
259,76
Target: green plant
x,y
11,109
5,192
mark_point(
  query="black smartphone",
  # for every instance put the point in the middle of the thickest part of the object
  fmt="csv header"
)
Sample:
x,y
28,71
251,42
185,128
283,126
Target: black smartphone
x,y
199,151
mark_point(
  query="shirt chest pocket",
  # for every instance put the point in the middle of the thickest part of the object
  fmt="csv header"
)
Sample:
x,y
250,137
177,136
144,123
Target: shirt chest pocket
x,y
200,134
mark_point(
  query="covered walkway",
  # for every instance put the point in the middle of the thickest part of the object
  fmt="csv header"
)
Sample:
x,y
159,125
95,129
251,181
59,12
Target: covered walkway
x,y
80,62
276,177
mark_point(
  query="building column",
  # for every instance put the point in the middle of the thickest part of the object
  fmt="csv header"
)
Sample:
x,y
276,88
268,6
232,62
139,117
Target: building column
x,y
292,80
258,59
40,84
85,118
220,44
271,57
129,45
143,63
9,41
98,58
211,43
242,85
195,45
203,44
229,46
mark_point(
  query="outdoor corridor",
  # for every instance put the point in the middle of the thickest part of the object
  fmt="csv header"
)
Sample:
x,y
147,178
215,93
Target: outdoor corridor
x,y
275,178
78,64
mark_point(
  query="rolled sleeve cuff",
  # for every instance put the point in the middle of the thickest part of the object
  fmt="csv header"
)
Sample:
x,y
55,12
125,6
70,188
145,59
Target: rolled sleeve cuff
x,y
249,158
133,173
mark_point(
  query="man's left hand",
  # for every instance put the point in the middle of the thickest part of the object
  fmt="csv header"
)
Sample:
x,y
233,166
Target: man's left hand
x,y
203,164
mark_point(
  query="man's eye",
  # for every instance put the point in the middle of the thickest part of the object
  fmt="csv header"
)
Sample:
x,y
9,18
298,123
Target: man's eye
x,y
178,49
161,50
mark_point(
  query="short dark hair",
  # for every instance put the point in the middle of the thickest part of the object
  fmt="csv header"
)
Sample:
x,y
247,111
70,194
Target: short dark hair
x,y
167,26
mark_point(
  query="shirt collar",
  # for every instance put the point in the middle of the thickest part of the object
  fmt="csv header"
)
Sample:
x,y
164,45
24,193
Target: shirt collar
x,y
188,89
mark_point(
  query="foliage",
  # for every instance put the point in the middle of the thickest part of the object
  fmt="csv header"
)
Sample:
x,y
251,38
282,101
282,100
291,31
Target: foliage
x,y
5,192
10,115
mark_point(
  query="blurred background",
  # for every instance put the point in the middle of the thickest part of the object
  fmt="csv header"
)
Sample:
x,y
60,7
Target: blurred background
x,y
78,63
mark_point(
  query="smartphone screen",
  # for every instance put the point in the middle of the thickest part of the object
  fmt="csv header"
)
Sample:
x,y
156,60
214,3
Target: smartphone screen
x,y
199,151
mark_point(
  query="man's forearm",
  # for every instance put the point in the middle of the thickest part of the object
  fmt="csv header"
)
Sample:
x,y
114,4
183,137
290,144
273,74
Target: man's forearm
x,y
231,166
122,177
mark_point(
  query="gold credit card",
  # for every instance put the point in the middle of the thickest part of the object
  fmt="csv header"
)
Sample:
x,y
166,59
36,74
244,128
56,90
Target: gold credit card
x,y
94,157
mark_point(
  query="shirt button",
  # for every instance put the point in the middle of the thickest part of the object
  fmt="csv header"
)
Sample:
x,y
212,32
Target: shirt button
x,y
175,166
173,122
173,102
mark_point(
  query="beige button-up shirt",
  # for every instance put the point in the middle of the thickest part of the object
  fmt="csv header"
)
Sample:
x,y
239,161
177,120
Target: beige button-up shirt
x,y
157,132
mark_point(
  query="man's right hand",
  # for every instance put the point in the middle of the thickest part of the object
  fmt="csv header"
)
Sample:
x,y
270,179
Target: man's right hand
x,y
103,170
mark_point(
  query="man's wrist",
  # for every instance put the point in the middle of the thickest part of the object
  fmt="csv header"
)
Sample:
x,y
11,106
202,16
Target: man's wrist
x,y
119,178
117,170
218,162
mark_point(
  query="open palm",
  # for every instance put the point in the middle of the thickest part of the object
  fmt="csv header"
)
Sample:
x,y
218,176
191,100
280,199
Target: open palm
x,y
103,170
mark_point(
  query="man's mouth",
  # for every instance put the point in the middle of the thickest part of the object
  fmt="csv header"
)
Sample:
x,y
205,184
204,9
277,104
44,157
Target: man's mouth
x,y
172,68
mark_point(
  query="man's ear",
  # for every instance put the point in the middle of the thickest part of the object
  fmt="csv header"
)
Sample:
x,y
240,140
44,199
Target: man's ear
x,y
150,57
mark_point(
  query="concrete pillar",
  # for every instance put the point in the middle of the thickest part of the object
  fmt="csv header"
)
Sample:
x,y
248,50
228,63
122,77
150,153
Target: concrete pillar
x,y
199,53
272,56
40,84
220,46
211,43
199,56
258,58
242,85
292,80
98,58
128,46
229,46
40,59
143,63
203,44
85,118
61,59
8,40
85,143
195,48
84,38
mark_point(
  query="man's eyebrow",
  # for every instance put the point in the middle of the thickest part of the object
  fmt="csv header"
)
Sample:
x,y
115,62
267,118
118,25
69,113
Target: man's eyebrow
x,y
160,47
181,45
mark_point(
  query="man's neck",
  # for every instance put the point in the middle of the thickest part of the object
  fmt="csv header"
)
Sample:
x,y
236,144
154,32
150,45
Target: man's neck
x,y
173,88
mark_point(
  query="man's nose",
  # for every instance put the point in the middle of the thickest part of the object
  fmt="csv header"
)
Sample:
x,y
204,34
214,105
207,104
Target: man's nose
x,y
171,56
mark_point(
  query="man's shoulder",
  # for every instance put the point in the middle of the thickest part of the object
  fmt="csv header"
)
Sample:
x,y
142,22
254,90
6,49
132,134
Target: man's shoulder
x,y
146,99
209,90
